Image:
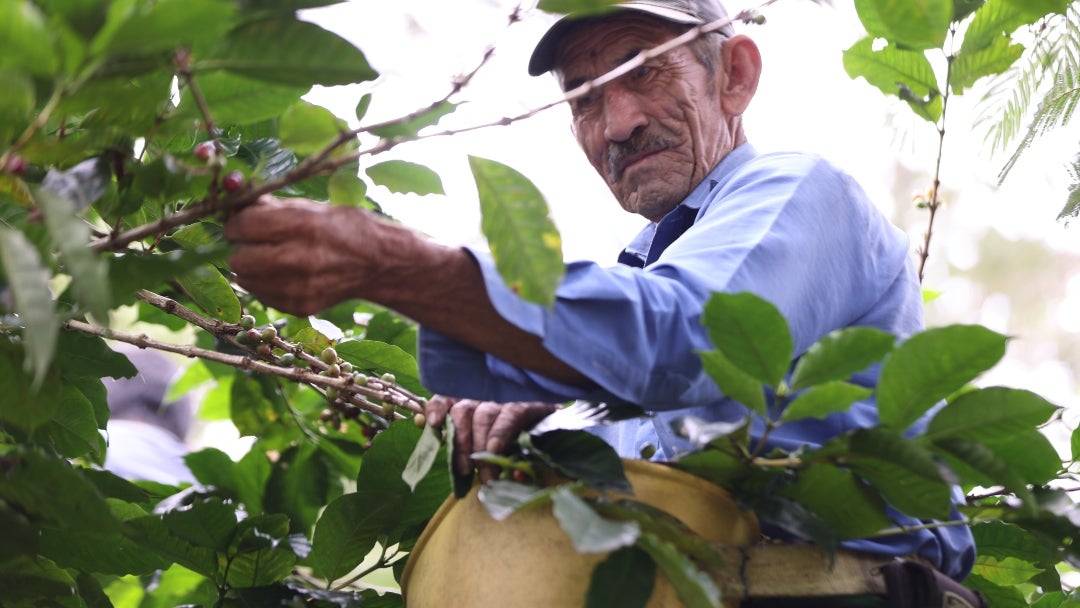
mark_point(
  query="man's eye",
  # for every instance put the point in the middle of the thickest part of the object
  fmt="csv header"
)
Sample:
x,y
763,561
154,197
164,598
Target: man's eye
x,y
640,72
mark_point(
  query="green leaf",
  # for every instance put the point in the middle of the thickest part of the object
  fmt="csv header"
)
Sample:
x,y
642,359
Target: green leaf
x,y
208,523
410,127
300,485
307,128
211,292
85,355
25,40
903,471
990,61
133,271
994,20
259,553
348,530
751,333
423,457
404,176
795,519
1000,540
963,8
384,464
589,532
580,455
524,242
20,536
932,365
695,588
89,272
246,480
32,480
378,357
16,108
26,581
24,406
860,514
624,579
236,100
824,399
716,466
89,550
839,355
291,52
895,71
1008,571
1034,9
1004,420
253,414
997,596
152,533
733,381
977,464
73,429
147,27
346,187
916,24
29,283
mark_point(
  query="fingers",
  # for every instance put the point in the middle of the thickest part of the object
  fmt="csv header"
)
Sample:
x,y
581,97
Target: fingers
x,y
484,426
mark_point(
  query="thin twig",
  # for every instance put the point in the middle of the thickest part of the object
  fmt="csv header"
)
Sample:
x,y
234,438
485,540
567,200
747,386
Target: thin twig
x,y
935,190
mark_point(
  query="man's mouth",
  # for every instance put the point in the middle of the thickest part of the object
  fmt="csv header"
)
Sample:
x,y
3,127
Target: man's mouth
x,y
621,164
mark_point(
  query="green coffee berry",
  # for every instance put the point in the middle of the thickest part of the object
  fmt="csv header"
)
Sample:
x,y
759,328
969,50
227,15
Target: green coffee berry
x,y
268,333
288,359
247,322
388,378
329,355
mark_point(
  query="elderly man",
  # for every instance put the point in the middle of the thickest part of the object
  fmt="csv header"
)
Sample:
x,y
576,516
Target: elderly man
x,y
668,139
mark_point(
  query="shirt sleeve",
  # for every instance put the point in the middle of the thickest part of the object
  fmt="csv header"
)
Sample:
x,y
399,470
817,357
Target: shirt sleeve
x,y
790,229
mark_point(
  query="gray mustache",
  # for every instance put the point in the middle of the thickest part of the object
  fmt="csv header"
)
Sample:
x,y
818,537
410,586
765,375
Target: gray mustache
x,y
622,152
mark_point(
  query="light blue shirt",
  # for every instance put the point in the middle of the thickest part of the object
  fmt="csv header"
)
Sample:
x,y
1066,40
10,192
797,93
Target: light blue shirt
x,y
788,227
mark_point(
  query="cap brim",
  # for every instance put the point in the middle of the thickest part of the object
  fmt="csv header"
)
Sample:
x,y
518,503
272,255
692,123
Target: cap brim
x,y
543,56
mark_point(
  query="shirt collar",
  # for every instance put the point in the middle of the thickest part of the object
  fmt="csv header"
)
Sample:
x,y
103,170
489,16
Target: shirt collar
x,y
720,174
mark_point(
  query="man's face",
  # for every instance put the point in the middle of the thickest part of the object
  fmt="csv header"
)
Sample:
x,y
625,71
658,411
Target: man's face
x,y
654,134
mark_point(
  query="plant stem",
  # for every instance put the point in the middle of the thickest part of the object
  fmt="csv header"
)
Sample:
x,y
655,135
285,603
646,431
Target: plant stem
x,y
935,197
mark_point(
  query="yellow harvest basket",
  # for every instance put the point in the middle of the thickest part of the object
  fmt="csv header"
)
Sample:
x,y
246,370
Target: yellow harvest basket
x,y
464,558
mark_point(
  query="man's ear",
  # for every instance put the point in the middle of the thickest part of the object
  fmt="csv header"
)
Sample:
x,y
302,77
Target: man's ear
x,y
742,69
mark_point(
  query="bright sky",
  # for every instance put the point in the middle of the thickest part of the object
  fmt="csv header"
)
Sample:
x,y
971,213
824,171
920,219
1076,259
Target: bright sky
x,y
805,101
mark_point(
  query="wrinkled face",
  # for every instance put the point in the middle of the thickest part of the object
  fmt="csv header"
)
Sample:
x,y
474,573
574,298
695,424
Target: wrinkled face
x,y
654,134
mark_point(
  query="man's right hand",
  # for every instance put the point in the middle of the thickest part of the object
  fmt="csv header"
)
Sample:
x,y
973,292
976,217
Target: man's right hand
x,y
484,426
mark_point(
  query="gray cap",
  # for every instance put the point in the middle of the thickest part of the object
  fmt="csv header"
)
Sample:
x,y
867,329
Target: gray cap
x,y
688,12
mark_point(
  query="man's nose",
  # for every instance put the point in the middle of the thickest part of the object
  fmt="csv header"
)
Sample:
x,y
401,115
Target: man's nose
x,y
623,113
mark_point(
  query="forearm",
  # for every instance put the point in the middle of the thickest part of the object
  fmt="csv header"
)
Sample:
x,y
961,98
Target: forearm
x,y
443,289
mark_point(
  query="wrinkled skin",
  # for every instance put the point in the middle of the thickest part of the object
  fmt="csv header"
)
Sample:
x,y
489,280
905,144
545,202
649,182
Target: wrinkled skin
x,y
655,134
652,136
483,426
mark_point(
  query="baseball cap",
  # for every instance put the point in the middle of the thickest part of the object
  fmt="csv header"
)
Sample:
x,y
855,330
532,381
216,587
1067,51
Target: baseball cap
x,y
687,12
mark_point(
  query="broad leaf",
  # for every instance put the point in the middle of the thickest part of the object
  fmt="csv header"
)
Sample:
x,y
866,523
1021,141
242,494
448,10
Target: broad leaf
x,y
259,553
991,414
903,471
290,52
85,355
977,464
839,355
307,128
349,529
716,466
860,514
383,466
916,24
246,479
73,429
751,333
133,271
994,20
148,27
1034,9
378,357
695,588
990,61
906,74
211,292
236,100
32,480
404,176
824,399
28,280
932,365
733,381
588,531
795,519
25,40
624,579
582,456
26,581
524,242
346,187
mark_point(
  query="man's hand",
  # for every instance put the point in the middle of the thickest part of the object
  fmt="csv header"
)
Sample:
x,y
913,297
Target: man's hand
x,y
300,256
484,426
